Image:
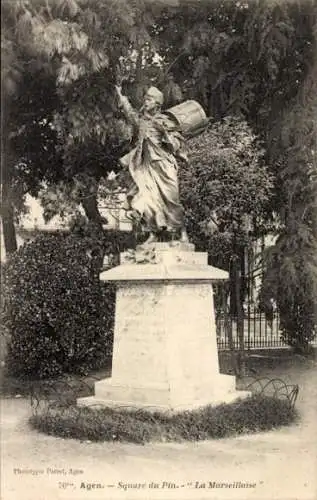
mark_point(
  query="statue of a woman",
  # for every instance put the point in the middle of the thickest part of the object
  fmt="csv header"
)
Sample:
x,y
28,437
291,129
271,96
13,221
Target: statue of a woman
x,y
153,164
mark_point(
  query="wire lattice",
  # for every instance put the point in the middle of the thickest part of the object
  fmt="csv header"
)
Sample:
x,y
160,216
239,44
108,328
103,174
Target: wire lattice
x,y
61,395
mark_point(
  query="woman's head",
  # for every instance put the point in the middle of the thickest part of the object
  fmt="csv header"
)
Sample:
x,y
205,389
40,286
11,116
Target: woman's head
x,y
153,99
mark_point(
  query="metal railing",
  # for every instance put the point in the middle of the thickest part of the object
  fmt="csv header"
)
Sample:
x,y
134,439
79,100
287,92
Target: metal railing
x,y
259,331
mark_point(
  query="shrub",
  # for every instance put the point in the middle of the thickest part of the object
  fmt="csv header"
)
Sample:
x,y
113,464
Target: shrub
x,y
58,313
254,414
225,188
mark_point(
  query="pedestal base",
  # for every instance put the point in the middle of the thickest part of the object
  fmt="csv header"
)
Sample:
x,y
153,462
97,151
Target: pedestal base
x,y
162,399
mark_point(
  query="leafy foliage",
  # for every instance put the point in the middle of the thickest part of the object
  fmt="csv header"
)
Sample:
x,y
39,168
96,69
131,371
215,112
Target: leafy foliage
x,y
291,265
58,313
291,279
58,79
248,57
226,189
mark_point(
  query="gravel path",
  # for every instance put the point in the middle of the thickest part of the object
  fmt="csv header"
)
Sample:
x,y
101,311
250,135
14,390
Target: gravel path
x,y
281,464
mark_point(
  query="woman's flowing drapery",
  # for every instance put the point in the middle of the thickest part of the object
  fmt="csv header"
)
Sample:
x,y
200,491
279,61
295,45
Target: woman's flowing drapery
x,y
153,165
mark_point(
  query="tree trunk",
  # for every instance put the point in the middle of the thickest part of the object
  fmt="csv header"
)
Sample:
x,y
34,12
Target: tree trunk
x,y
228,329
240,318
9,233
90,206
7,210
236,311
90,203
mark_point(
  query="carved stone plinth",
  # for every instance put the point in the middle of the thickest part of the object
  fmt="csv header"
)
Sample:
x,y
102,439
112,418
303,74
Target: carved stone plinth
x,y
165,350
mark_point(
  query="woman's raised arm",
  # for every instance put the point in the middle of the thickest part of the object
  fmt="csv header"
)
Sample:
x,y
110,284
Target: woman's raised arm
x,y
130,113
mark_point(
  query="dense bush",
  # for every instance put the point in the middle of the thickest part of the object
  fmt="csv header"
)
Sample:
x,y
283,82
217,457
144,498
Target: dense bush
x,y
58,313
225,188
254,414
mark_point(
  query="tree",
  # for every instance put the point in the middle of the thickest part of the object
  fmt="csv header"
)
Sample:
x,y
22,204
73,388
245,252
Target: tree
x,y
239,57
58,76
226,189
291,265
61,64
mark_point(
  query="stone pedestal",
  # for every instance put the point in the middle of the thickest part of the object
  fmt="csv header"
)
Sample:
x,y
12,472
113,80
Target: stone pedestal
x,y
165,351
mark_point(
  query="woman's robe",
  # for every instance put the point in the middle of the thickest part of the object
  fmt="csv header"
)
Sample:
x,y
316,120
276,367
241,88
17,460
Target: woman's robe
x,y
153,165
